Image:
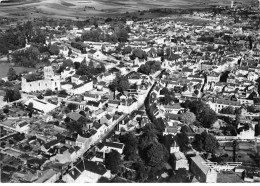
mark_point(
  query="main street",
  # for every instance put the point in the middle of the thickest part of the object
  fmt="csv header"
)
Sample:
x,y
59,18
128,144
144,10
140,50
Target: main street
x,y
87,152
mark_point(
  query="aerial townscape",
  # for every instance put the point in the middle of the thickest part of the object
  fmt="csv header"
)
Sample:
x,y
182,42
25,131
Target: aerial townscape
x,y
158,95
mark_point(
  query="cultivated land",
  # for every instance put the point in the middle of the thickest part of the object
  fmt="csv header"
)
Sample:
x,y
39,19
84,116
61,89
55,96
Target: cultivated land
x,y
80,9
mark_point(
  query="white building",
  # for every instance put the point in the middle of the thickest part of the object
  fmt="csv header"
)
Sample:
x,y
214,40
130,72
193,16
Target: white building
x,y
41,105
180,161
219,104
87,172
50,81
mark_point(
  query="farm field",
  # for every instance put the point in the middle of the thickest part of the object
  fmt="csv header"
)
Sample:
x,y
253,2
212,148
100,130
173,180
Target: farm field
x,y
77,9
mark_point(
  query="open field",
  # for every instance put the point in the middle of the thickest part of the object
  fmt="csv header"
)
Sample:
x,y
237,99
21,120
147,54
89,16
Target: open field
x,y
77,9
4,67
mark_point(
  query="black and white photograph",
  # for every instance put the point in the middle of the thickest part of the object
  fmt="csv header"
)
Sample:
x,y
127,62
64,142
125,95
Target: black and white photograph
x,y
129,91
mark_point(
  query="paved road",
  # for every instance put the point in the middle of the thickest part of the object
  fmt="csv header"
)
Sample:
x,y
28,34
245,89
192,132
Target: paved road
x,y
92,148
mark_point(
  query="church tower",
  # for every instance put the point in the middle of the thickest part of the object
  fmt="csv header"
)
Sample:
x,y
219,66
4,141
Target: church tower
x,y
48,72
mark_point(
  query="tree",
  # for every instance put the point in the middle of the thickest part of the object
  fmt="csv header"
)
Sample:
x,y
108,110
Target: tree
x,y
54,49
131,144
11,74
127,50
113,161
204,113
82,113
84,70
122,35
185,88
70,52
74,126
2,117
164,91
67,63
101,69
257,129
19,137
123,85
63,92
141,171
48,92
207,117
187,117
149,67
143,69
156,155
40,96
6,110
196,92
30,107
210,143
227,110
186,104
76,65
138,53
197,107
72,106
12,95
238,113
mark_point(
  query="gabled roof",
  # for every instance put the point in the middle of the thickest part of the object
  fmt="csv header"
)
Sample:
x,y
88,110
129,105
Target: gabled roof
x,y
115,102
179,155
74,116
227,102
108,116
95,167
198,160
74,173
84,78
100,146
114,145
92,51
93,103
76,76
23,124
70,139
51,143
96,125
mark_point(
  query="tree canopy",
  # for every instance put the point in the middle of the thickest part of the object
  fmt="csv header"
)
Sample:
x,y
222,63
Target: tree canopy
x,y
11,75
72,106
156,155
12,95
187,117
206,141
120,83
227,110
54,49
149,67
131,144
113,161
203,112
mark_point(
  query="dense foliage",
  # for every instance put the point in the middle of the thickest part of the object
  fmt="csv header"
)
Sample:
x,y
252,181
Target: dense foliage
x,y
149,67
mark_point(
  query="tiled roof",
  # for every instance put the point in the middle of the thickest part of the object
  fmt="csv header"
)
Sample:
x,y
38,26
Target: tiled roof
x,y
114,145
227,102
74,116
95,167
51,143
74,173
93,103
179,155
198,160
